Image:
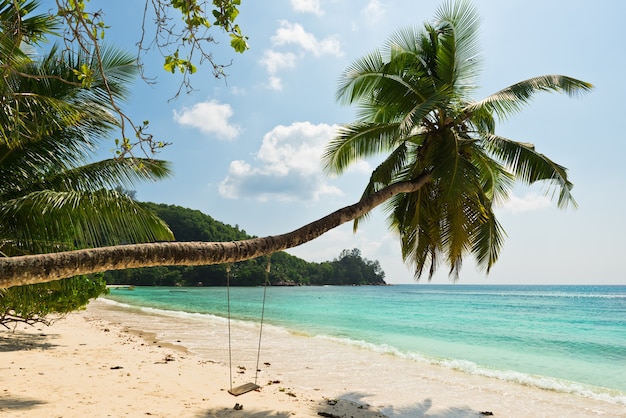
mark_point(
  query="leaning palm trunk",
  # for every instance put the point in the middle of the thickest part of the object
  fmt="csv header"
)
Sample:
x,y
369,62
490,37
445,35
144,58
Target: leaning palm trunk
x,y
41,268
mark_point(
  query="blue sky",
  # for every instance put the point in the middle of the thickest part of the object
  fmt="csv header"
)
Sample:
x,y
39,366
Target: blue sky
x,y
246,150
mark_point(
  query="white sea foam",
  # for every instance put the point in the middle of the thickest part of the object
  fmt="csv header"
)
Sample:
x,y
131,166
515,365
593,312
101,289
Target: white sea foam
x,y
541,382
164,312
113,302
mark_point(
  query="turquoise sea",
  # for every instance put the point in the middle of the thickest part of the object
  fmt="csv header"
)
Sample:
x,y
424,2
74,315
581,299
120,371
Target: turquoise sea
x,y
560,338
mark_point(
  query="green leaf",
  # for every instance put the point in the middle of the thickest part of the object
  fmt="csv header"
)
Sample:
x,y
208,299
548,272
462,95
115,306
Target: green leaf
x,y
238,43
170,65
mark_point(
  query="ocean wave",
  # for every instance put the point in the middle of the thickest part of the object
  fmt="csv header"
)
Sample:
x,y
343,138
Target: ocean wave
x,y
170,313
542,382
115,303
165,312
469,367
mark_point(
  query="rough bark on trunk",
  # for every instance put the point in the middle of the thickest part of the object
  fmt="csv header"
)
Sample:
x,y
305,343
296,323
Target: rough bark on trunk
x,y
40,268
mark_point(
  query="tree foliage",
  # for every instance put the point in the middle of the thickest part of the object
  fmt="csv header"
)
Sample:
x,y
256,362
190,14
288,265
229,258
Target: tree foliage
x,y
53,196
286,270
46,302
181,31
416,108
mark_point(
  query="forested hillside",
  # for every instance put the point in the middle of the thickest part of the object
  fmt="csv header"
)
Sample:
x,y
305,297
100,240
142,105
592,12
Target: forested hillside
x,y
349,268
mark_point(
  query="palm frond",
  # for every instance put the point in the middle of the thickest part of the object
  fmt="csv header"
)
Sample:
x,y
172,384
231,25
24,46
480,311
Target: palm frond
x,y
401,47
530,166
18,23
496,181
360,78
120,69
416,218
29,116
58,72
358,140
48,220
108,174
458,59
513,98
393,168
371,80
487,242
50,101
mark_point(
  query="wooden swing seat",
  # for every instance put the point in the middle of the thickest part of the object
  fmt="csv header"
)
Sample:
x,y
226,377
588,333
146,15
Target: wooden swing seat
x,y
240,390
247,387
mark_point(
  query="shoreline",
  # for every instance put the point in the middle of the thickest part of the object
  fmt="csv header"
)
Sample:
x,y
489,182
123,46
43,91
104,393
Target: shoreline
x,y
94,363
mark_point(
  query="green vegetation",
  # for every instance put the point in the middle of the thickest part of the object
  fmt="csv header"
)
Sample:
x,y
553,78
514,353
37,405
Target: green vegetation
x,y
53,196
416,108
43,303
286,270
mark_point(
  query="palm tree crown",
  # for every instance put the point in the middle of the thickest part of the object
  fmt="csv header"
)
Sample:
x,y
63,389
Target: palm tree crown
x,y
415,105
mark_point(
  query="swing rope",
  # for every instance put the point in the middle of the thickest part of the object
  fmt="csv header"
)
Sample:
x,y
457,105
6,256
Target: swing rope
x,y
258,353
230,349
249,386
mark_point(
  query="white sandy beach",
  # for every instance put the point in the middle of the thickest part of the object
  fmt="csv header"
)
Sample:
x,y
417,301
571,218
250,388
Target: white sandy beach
x,y
93,364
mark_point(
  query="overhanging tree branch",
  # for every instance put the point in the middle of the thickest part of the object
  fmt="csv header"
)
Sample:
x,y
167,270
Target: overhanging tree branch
x,y
182,34
41,268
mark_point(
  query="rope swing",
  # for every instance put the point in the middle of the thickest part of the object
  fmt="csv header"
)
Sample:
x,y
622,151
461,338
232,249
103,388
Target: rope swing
x,y
247,387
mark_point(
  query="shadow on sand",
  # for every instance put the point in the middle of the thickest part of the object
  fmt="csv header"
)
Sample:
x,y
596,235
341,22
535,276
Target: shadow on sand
x,y
223,413
422,409
13,404
351,405
10,341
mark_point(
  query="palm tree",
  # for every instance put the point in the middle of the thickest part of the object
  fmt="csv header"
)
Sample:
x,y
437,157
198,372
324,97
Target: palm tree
x,y
416,106
446,168
53,197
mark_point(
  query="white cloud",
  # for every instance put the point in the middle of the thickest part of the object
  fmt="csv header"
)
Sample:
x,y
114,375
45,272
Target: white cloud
x,y
286,167
274,61
294,33
210,117
374,11
275,83
529,202
307,6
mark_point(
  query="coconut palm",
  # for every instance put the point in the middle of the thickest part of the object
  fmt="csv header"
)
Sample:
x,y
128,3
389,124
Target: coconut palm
x,y
53,197
416,106
446,167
